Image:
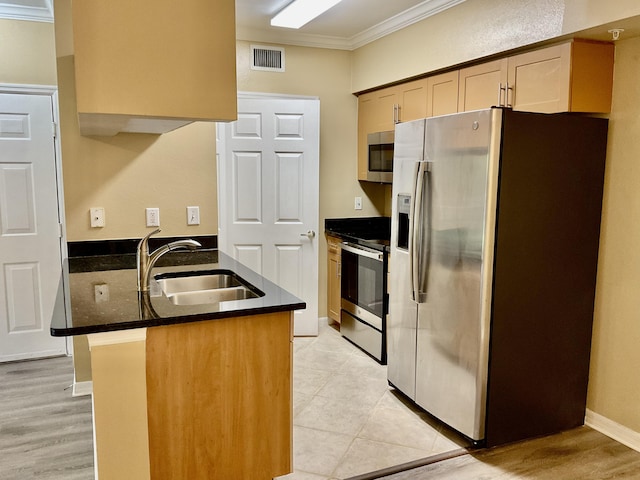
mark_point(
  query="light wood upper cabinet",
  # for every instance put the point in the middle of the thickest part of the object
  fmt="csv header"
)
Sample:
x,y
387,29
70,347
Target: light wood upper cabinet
x,y
380,110
576,76
152,66
573,77
333,278
413,100
479,85
442,94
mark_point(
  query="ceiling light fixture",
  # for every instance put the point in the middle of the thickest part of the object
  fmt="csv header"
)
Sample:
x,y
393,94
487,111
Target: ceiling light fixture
x,y
300,12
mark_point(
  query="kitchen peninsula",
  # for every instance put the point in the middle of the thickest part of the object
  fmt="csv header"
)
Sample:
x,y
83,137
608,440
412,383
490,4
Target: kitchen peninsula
x,y
198,391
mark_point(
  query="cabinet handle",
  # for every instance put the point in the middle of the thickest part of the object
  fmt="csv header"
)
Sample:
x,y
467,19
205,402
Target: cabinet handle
x,y
509,98
396,113
500,90
339,270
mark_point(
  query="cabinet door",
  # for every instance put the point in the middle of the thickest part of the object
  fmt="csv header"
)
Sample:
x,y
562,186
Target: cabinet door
x,y
442,94
480,85
412,100
385,110
539,80
333,279
576,76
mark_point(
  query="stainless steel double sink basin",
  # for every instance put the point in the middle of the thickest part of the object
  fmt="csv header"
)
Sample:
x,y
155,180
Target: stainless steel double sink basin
x,y
205,287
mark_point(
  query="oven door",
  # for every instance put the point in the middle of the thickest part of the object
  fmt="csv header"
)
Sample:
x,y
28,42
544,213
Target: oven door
x,y
363,283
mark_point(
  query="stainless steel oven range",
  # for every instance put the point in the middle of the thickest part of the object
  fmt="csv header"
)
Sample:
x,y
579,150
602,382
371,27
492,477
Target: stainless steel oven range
x,y
364,299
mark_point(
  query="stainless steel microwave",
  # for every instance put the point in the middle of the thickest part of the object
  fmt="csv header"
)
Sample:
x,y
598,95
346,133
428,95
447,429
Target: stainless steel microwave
x,y
380,156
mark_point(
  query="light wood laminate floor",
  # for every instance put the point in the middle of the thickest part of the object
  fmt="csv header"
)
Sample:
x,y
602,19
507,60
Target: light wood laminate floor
x,y
45,434
346,422
579,454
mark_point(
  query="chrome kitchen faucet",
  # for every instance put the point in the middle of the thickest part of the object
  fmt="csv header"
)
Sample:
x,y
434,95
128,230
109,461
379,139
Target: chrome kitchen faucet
x,y
146,260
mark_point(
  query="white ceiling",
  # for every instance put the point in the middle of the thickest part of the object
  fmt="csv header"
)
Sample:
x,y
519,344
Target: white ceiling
x,y
348,25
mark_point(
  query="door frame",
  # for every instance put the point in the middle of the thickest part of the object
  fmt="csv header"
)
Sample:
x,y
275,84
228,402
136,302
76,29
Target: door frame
x,y
52,92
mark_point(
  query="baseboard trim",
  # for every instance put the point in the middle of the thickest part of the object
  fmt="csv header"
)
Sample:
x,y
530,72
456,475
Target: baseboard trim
x,y
614,430
81,389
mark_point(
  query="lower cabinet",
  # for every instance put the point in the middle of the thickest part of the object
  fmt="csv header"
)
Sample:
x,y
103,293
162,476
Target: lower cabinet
x,y
207,400
333,278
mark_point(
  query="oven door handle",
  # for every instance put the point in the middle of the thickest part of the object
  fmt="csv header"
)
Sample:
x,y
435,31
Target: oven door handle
x,y
361,251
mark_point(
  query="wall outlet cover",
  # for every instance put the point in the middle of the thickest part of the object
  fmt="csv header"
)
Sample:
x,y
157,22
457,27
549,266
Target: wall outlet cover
x,y
153,217
101,292
97,217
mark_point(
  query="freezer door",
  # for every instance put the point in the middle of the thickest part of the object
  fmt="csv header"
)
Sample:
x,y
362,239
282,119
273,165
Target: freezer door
x,y
453,320
403,311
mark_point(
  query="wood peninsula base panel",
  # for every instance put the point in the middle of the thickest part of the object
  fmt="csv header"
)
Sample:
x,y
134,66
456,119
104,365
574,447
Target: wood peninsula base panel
x,y
219,398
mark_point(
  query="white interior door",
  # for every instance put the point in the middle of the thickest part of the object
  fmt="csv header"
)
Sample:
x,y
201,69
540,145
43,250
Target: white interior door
x,y
268,164
30,235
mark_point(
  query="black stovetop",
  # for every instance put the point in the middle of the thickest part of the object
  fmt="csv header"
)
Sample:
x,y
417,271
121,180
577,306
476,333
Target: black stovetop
x,y
374,232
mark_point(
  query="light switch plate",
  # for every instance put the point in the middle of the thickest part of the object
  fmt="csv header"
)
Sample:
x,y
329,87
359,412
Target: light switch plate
x,y
358,203
193,215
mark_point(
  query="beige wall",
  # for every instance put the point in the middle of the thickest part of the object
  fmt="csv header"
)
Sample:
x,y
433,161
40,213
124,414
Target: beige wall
x,y
475,29
614,387
27,53
127,173
468,31
326,74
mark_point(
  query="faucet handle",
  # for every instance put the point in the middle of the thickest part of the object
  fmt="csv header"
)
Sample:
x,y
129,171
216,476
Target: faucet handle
x,y
142,244
146,237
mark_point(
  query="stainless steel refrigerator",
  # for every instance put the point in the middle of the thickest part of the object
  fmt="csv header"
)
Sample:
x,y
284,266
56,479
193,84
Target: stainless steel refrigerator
x,y
494,243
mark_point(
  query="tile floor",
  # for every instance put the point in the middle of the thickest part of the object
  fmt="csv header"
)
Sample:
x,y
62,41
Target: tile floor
x,y
347,421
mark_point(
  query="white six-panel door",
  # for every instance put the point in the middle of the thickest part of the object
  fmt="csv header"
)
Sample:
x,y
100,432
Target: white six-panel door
x,y
268,162
30,256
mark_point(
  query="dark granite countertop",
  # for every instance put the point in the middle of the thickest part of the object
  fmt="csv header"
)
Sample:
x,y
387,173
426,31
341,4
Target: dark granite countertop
x,y
373,232
119,306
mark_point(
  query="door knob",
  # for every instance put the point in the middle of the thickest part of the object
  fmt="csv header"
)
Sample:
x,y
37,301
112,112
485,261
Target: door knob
x,y
310,234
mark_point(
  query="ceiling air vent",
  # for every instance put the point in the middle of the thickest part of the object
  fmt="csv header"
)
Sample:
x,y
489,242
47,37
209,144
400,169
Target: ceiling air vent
x,y
267,58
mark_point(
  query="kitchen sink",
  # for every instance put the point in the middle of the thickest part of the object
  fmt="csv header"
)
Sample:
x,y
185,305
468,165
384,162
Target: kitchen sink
x,y
205,287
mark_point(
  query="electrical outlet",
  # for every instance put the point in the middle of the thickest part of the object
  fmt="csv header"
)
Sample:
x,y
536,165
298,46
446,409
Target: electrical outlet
x,y
358,203
193,215
153,217
101,292
97,217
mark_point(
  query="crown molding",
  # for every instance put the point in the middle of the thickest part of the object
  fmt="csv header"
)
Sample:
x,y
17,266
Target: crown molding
x,y
292,38
402,20
413,15
16,11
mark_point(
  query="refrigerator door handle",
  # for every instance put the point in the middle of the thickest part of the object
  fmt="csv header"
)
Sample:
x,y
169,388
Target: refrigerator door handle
x,y
417,263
